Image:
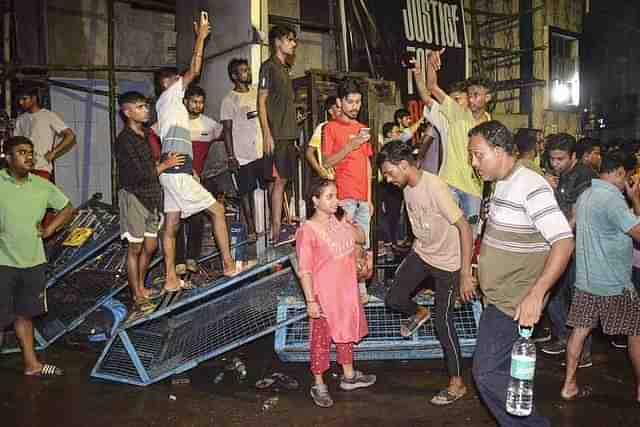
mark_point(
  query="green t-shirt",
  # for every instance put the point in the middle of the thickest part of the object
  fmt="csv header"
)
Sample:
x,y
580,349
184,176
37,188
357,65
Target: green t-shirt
x,y
22,207
456,170
281,110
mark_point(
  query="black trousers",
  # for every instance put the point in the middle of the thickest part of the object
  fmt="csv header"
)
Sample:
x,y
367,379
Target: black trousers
x,y
410,274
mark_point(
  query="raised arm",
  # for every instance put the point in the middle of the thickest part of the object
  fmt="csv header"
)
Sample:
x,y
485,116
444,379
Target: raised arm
x,y
202,30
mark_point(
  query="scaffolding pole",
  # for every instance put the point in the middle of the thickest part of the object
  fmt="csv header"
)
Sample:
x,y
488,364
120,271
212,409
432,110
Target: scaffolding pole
x,y
112,98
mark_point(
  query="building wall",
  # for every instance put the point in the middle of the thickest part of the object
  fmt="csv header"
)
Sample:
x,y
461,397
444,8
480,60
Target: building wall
x,y
564,14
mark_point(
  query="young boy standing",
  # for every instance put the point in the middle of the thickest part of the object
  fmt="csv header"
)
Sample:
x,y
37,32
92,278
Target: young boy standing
x,y
139,194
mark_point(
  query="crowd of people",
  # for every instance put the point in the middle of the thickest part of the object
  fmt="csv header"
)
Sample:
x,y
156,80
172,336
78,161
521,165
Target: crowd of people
x,y
555,218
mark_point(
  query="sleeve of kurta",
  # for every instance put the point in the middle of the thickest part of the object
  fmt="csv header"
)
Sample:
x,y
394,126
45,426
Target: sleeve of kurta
x,y
304,250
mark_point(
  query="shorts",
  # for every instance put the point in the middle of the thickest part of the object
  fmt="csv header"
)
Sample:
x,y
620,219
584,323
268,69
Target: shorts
x,y
136,222
252,176
223,183
182,193
619,314
22,293
283,161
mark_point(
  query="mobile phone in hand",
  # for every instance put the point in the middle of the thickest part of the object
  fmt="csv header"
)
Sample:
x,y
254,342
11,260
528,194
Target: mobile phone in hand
x,y
204,17
408,60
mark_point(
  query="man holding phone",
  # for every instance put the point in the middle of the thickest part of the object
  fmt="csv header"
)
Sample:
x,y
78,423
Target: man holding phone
x,y
346,149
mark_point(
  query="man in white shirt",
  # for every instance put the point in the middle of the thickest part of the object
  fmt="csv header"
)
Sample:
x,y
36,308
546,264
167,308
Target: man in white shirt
x,y
239,114
51,137
183,193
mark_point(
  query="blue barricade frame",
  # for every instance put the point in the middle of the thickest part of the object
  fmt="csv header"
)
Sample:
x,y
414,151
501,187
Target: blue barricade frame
x,y
200,324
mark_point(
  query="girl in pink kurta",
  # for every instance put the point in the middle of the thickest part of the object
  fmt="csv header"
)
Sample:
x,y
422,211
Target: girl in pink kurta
x,y
327,269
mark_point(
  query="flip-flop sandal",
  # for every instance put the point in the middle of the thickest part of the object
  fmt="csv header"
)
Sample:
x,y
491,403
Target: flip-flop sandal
x,y
265,383
46,371
445,397
144,305
285,381
413,325
184,286
583,393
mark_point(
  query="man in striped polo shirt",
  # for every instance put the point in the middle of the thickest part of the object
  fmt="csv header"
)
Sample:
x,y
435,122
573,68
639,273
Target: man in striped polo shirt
x,y
526,246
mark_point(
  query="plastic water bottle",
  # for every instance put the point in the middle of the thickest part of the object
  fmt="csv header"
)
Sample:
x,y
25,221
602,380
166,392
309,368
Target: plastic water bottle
x,y
523,366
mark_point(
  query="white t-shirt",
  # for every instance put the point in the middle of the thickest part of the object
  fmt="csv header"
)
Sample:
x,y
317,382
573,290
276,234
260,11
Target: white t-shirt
x,y
43,129
173,123
241,109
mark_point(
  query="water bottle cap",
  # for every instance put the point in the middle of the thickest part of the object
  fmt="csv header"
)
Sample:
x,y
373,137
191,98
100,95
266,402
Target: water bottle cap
x,y
525,332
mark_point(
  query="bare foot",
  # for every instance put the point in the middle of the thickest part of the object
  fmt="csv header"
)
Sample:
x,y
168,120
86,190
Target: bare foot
x,y
229,267
172,284
33,369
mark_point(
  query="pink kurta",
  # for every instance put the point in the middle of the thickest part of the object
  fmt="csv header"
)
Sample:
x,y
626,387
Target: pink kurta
x,y
330,258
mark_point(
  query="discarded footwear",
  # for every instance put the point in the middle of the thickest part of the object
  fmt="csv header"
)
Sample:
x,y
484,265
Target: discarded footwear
x,y
583,392
359,380
445,397
192,266
46,371
181,269
320,395
413,324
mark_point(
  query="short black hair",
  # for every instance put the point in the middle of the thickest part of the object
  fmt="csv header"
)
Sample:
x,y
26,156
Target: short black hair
x,y
330,102
480,81
278,32
460,86
233,65
561,141
525,140
586,146
162,74
14,141
194,90
496,134
387,127
347,87
131,97
394,152
400,113
30,90
617,159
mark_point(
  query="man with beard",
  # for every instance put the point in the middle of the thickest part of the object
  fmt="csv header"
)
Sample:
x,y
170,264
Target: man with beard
x,y
24,199
441,251
346,149
569,178
240,120
277,114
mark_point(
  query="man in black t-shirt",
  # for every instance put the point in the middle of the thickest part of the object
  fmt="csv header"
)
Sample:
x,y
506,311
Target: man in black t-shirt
x,y
139,193
277,114
569,178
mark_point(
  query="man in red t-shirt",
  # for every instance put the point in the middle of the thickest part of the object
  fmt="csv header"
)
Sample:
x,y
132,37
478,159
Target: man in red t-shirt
x,y
346,148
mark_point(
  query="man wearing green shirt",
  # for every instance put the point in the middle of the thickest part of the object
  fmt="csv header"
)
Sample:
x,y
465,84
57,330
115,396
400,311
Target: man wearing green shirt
x,y
24,200
456,171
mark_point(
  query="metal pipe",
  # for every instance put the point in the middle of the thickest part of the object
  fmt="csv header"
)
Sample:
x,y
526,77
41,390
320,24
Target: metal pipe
x,y
7,57
343,30
82,68
65,85
112,97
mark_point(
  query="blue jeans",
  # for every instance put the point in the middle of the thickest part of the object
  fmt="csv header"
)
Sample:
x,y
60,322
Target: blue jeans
x,y
469,204
559,304
497,333
359,209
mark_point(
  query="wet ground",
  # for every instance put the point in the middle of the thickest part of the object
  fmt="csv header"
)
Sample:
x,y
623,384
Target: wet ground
x,y
400,398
